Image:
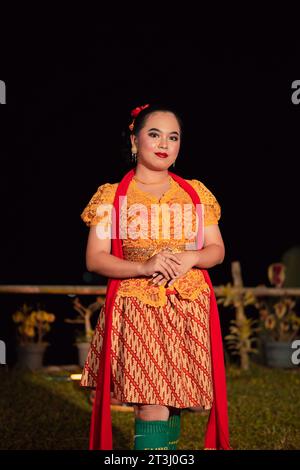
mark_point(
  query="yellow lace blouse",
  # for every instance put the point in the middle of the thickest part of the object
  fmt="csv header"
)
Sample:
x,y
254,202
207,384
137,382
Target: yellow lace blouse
x,y
145,245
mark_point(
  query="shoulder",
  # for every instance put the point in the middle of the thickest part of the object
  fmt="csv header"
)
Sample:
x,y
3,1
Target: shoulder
x,y
205,194
104,194
212,207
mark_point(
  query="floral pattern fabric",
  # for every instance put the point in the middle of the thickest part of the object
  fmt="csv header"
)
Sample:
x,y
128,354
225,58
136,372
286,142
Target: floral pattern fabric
x,y
192,283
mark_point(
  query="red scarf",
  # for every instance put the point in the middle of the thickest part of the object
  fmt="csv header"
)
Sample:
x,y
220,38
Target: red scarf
x,y
217,435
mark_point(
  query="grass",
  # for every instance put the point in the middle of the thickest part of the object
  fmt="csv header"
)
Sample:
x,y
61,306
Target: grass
x,y
39,413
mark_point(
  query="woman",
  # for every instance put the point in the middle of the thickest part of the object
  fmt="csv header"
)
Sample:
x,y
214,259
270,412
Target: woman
x,y
153,235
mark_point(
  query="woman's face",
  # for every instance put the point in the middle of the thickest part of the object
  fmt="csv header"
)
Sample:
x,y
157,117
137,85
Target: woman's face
x,y
160,134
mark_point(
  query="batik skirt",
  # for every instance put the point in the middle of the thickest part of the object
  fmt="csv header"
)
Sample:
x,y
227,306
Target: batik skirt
x,y
159,355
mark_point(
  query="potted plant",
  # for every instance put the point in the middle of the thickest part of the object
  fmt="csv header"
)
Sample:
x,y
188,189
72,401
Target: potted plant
x,y
33,325
242,336
84,337
279,322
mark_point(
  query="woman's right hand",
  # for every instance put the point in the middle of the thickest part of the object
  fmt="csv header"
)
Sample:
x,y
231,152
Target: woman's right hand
x,y
164,262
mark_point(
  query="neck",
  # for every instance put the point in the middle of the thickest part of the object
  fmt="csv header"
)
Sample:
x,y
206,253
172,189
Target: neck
x,y
150,176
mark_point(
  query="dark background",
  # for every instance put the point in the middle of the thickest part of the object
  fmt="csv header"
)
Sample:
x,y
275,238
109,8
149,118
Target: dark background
x,y
69,96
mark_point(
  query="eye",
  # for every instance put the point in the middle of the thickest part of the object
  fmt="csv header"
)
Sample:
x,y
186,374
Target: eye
x,y
174,137
153,134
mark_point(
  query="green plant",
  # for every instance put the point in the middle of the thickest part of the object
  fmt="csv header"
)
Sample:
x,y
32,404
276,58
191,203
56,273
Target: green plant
x,y
242,330
242,336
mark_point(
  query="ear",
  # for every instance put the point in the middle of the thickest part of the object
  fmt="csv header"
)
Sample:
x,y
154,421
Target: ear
x,y
133,140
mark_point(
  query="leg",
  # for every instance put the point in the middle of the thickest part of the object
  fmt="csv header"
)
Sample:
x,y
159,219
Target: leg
x,y
151,412
174,427
151,427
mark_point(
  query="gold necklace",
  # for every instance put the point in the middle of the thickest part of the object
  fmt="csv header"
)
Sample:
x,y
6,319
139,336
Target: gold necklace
x,y
136,179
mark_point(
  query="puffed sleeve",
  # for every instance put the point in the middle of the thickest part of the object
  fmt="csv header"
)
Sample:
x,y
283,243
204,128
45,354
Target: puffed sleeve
x,y
93,214
212,208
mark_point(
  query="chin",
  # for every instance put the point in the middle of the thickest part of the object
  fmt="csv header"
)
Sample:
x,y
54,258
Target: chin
x,y
162,167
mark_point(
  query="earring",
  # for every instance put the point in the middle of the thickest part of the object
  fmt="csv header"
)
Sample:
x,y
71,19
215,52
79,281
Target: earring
x,y
133,154
173,165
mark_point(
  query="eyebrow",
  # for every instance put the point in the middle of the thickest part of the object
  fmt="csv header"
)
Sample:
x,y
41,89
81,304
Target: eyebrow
x,y
154,129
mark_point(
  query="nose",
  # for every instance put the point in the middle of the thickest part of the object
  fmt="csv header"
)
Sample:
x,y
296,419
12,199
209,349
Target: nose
x,y
163,143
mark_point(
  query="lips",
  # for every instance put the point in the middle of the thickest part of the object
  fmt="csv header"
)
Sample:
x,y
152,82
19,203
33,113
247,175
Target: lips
x,y
161,154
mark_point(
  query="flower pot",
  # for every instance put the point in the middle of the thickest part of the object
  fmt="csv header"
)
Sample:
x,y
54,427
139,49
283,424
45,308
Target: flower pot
x,y
83,349
31,355
279,354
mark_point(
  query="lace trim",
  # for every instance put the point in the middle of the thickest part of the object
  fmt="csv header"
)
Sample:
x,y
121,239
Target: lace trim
x,y
141,289
146,195
189,287
139,253
104,195
212,208
106,192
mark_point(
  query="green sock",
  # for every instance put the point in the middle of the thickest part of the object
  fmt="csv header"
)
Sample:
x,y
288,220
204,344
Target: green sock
x,y
151,435
174,431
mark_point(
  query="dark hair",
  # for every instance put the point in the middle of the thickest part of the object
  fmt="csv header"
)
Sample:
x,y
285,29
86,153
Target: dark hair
x,y
141,118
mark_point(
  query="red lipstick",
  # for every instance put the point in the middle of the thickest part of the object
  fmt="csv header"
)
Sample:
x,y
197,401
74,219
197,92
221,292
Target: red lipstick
x,y
161,154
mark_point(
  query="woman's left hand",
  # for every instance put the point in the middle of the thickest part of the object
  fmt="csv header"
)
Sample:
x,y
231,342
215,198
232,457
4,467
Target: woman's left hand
x,y
188,260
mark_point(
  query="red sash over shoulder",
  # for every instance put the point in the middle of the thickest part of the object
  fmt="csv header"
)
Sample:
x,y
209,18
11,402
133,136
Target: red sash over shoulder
x,y
217,435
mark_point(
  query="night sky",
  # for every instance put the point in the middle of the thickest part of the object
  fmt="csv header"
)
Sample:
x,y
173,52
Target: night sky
x,y
69,98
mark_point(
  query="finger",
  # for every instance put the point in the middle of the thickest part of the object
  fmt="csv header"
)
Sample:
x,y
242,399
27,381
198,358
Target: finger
x,y
164,270
172,257
158,279
168,269
172,267
155,276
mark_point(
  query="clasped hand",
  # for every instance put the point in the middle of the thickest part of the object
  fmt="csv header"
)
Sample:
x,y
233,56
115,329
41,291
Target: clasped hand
x,y
167,266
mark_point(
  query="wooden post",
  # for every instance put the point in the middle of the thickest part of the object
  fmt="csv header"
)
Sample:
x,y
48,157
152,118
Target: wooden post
x,y
239,310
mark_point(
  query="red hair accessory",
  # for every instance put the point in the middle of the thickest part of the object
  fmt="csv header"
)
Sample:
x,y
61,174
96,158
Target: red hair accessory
x,y
135,112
